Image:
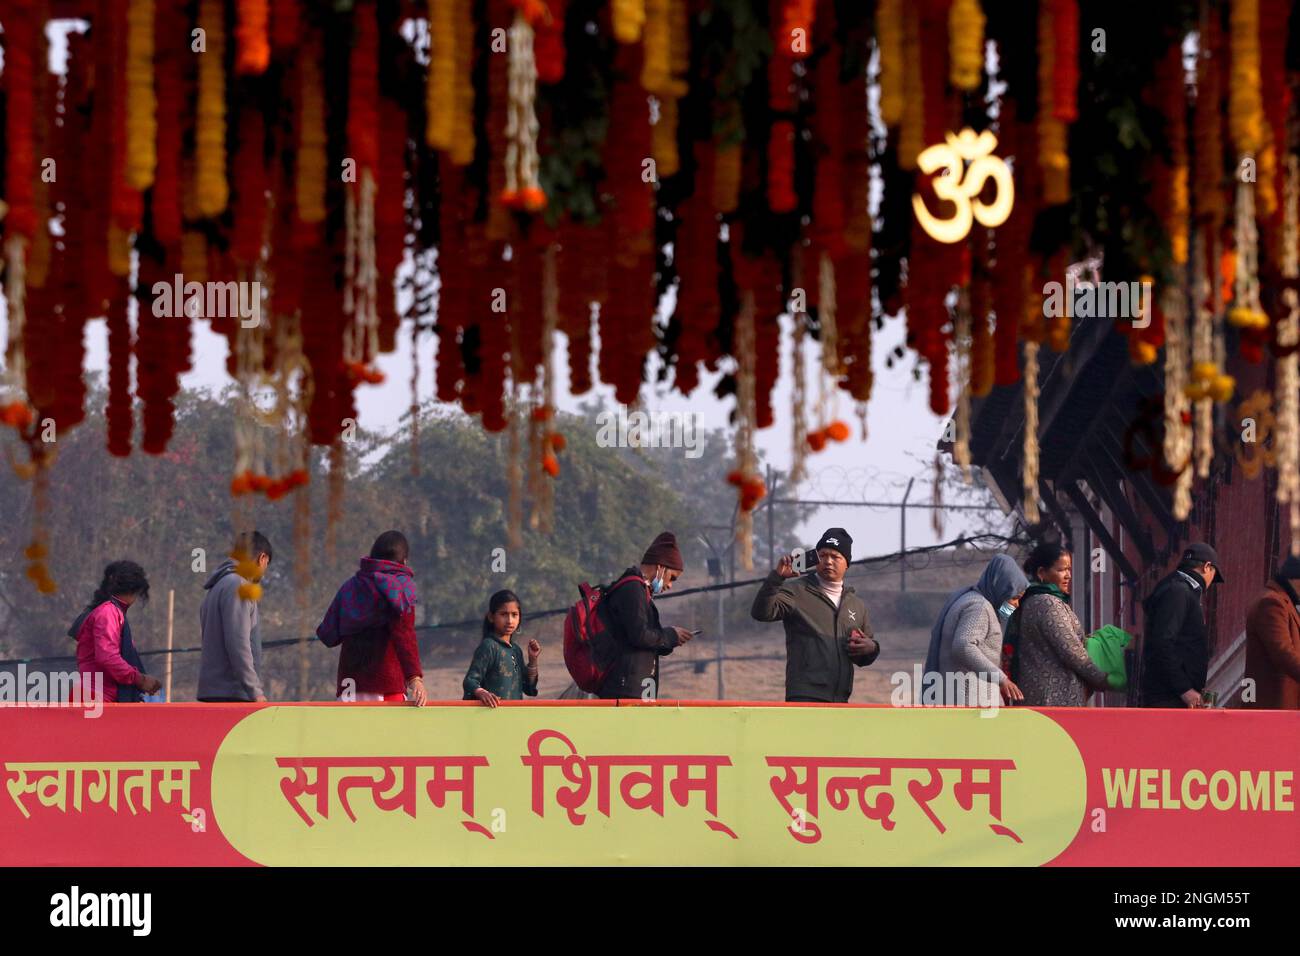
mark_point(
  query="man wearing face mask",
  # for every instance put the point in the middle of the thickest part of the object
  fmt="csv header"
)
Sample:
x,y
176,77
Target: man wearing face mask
x,y
632,620
827,632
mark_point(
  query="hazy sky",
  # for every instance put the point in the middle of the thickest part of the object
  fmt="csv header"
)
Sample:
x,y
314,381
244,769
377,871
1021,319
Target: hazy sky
x,y
901,429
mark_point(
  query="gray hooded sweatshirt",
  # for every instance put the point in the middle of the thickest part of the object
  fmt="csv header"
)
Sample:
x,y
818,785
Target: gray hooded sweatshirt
x,y
232,644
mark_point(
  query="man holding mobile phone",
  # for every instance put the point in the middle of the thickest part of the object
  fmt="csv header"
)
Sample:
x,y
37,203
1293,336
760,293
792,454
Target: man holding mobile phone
x,y
632,620
827,632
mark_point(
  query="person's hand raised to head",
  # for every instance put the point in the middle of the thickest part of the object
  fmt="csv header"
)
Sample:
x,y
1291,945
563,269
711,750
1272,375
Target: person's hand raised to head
x,y
786,567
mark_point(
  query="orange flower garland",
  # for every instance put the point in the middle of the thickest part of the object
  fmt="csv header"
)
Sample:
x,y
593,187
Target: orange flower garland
x,y
252,49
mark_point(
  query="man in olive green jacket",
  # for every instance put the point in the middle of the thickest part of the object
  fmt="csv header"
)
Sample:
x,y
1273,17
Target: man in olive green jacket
x,y
826,626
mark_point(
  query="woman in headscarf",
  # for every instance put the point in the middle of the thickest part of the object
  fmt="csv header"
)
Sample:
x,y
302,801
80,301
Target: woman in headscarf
x,y
1054,667
966,641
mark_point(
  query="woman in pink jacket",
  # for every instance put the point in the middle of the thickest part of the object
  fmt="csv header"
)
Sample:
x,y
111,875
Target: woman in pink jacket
x,y
104,636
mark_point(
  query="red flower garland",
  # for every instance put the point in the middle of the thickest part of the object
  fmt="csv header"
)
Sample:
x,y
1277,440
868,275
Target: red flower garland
x,y
390,217
453,313
121,421
169,71
20,120
250,184
286,26
576,241
1065,44
547,19
696,261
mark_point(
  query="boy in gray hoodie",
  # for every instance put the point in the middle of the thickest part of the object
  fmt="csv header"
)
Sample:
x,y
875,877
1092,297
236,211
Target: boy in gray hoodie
x,y
232,645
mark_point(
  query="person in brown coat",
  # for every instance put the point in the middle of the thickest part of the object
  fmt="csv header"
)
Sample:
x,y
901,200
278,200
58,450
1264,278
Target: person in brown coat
x,y
1273,641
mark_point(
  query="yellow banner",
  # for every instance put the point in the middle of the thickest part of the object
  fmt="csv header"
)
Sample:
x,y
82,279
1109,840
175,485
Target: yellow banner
x,y
658,785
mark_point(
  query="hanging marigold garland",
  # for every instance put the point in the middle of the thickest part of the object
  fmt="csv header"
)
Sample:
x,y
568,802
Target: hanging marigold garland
x,y
213,192
1275,27
842,223
889,41
547,19
667,55
1173,103
361,274
1029,465
126,204
965,45
286,26
1011,269
1057,24
962,340
628,17
449,90
912,129
522,187
142,126
20,178
1208,126
1177,446
1246,312
252,47
751,488
310,157
695,259
1286,391
1245,99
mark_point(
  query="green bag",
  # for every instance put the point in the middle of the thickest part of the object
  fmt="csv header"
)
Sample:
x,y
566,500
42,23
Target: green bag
x,y
1106,648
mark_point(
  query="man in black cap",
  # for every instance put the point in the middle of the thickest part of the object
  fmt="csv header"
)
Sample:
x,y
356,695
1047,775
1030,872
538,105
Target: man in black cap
x,y
826,626
1176,647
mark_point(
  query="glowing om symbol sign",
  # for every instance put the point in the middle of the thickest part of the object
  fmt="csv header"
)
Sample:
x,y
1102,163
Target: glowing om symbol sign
x,y
961,191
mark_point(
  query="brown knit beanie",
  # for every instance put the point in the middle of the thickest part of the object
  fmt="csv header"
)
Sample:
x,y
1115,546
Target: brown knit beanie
x,y
663,550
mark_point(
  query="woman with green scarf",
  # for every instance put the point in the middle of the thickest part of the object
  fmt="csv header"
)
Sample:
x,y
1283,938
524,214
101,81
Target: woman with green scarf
x,y
1054,667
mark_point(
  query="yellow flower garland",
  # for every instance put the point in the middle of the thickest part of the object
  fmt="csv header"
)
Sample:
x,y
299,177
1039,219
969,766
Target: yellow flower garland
x,y
141,103
462,147
440,92
965,44
210,134
310,181
1245,101
629,17
666,39
1052,156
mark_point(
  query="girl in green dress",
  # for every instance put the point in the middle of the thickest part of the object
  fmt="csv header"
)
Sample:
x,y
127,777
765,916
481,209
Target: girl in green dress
x,y
498,671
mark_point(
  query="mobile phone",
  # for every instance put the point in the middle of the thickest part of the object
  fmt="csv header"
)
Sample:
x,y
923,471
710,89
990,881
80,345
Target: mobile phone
x,y
697,632
803,560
